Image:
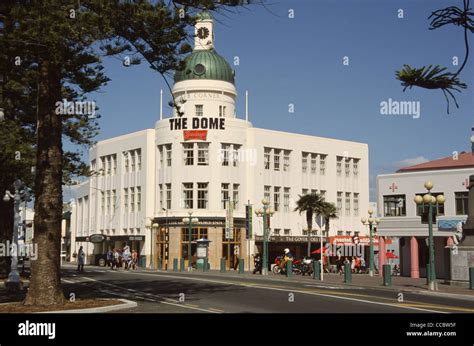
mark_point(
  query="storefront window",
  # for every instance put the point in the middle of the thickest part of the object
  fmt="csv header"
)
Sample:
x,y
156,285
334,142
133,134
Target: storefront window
x,y
462,199
394,205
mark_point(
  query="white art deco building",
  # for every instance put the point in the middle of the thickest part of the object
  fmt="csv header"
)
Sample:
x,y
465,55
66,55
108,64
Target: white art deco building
x,y
205,157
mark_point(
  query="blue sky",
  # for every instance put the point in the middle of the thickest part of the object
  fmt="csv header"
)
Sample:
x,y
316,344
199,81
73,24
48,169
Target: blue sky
x,y
300,61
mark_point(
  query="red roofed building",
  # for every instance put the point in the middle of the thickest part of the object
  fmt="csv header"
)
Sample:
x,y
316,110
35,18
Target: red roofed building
x,y
401,217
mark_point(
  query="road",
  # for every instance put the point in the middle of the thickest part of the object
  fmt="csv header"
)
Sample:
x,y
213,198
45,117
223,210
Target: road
x,y
170,292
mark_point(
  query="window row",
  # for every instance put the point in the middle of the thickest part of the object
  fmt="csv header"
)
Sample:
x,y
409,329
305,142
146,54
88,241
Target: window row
x,y
395,205
165,196
108,202
281,159
351,205
347,166
132,160
312,159
165,152
132,199
277,197
199,110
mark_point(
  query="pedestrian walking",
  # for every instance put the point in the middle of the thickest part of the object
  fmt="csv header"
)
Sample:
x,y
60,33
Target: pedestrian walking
x,y
134,259
110,257
80,260
115,260
127,257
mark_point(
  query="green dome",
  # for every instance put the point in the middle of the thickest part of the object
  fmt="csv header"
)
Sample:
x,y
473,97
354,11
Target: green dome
x,y
205,64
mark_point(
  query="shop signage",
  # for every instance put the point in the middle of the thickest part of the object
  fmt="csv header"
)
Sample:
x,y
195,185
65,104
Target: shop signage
x,y
96,238
195,135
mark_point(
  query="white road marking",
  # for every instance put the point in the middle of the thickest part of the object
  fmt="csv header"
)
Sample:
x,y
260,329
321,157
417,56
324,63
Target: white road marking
x,y
68,281
149,294
293,290
336,287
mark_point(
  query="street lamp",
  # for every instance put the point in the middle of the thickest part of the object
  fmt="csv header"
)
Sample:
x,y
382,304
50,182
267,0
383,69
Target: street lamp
x,y
166,239
266,212
371,221
430,200
22,194
151,226
190,220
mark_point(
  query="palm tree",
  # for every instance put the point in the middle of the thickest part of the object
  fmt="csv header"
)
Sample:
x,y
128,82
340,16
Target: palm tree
x,y
328,211
309,204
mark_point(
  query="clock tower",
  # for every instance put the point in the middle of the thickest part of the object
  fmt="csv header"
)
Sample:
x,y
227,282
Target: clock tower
x,y
203,31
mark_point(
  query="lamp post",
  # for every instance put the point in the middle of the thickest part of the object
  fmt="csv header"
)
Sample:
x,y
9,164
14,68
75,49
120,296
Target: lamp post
x,y
266,212
166,238
430,200
371,221
190,220
22,194
152,226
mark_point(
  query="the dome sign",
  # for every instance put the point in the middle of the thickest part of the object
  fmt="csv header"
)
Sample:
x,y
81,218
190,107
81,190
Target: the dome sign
x,y
200,123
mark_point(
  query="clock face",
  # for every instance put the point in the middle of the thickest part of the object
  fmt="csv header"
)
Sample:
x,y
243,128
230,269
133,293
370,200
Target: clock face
x,y
203,32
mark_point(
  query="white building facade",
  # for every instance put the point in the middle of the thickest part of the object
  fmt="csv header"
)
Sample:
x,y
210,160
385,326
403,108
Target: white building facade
x,y
204,159
401,218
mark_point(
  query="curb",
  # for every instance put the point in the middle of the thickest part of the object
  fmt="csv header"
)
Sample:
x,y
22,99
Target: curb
x,y
127,304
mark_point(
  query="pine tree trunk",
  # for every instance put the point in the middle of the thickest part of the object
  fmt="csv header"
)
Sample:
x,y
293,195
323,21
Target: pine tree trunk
x,y
6,232
45,284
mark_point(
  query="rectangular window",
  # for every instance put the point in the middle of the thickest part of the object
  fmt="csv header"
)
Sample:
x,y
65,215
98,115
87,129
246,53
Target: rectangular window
x,y
132,199
222,111
125,200
139,198
132,159
437,208
276,159
114,201
276,231
340,232
93,166
314,157
188,154
139,159
266,158
347,168
304,192
348,203
203,194
323,194
114,164
199,110
322,164
355,167
224,195
188,195
304,162
160,188
225,154
394,205
235,155
168,196
356,204
102,202
462,204
348,233
266,193
109,165
235,195
339,202
286,160
286,200
126,162
276,198
109,203
203,154
314,191
168,155
286,231
160,149
338,165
